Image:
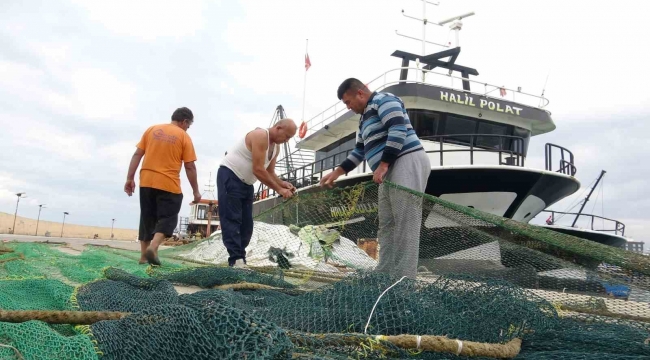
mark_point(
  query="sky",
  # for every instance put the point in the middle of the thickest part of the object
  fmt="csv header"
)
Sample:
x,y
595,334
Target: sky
x,y
81,80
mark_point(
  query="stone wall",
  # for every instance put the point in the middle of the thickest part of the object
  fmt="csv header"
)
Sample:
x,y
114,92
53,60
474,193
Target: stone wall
x,y
25,226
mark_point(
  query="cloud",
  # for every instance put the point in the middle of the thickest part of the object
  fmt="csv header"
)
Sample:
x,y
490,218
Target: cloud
x,y
147,20
81,80
97,94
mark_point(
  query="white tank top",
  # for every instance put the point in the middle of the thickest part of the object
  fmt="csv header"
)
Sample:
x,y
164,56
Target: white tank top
x,y
240,160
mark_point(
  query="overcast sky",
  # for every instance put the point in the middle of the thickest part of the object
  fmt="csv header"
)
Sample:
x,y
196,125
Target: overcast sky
x,y
81,80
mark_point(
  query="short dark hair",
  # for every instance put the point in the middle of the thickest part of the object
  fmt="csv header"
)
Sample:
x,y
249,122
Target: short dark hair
x,y
350,84
182,113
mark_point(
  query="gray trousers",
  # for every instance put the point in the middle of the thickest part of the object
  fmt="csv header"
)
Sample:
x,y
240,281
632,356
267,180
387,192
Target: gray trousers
x,y
400,215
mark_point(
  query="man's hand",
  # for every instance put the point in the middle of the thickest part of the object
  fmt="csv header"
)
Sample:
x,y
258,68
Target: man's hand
x,y
285,193
288,185
380,172
328,180
197,197
129,187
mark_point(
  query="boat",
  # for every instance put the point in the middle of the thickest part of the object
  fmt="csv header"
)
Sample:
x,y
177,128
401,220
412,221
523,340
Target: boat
x,y
203,219
611,232
476,134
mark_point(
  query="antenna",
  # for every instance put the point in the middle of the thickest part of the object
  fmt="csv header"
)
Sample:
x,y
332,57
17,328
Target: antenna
x,y
424,21
457,24
544,89
209,188
459,17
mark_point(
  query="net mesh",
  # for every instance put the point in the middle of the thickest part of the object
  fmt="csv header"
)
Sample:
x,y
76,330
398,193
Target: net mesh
x,y
312,290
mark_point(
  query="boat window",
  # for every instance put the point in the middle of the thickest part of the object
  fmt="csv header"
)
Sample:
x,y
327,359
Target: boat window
x,y
424,122
521,132
457,125
492,142
201,214
329,153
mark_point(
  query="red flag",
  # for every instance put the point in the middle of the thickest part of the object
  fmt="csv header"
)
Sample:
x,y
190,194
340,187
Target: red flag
x,y
307,62
502,91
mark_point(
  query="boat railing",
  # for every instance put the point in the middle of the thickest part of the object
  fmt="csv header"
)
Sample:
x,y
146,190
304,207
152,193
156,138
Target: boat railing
x,y
512,155
566,164
422,77
306,175
515,154
618,229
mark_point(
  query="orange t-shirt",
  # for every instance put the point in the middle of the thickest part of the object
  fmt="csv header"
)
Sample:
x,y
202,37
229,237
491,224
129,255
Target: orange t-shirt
x,y
165,147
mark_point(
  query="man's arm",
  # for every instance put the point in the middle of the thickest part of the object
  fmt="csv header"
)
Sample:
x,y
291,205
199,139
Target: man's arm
x,y
271,170
190,171
189,159
129,187
354,159
135,161
259,147
392,117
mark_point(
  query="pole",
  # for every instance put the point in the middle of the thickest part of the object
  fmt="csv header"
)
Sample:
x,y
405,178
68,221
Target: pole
x,y
424,25
62,225
602,173
19,195
13,228
39,218
304,84
112,228
207,230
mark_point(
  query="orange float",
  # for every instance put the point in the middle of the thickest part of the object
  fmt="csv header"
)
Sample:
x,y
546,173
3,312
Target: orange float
x,y
303,130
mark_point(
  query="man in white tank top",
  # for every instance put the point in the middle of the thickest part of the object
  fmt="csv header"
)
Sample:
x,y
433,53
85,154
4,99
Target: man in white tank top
x,y
249,160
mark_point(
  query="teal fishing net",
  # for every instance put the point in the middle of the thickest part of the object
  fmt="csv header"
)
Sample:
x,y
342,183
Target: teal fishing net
x,y
486,287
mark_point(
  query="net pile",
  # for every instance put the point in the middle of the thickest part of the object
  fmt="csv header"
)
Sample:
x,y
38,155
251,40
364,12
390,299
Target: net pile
x,y
487,287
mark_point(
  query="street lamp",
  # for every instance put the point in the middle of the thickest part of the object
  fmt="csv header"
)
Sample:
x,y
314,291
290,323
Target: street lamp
x,y
112,228
20,195
41,206
62,225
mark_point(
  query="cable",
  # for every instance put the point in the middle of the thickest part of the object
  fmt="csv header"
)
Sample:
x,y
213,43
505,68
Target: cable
x,y
576,202
602,204
365,330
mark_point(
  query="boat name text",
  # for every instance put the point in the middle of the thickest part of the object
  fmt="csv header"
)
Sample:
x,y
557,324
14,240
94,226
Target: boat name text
x,y
483,103
346,211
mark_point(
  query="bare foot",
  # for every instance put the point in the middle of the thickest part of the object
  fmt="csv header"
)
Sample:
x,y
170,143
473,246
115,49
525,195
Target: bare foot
x,y
152,257
142,260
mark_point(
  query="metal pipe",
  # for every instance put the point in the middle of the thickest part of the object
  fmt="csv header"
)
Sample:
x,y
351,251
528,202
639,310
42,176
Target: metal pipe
x,y
602,173
38,218
63,224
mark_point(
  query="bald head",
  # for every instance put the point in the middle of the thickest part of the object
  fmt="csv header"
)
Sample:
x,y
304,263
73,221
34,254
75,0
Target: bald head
x,y
282,131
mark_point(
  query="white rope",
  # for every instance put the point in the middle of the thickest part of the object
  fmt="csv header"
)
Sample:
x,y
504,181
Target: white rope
x,y
18,354
365,330
460,347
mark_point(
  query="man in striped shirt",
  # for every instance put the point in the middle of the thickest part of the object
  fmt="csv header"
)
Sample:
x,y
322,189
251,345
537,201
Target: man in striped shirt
x,y
387,141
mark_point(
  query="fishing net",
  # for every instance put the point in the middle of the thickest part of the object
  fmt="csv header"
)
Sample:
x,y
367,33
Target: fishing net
x,y
483,287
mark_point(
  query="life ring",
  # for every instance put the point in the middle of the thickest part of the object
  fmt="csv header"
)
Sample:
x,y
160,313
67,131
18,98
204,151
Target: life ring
x,y
303,130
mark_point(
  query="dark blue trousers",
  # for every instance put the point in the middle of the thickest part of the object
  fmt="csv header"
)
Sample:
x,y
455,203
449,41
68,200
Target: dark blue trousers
x,y
235,213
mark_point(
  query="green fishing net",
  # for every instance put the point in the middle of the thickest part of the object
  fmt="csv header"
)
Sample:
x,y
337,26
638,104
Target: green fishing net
x,y
310,290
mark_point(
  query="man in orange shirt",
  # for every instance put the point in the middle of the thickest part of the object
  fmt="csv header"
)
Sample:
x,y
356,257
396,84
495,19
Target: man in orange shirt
x,y
164,147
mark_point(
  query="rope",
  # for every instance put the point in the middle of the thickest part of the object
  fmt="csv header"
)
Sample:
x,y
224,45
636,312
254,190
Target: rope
x,y
18,354
575,202
460,347
365,330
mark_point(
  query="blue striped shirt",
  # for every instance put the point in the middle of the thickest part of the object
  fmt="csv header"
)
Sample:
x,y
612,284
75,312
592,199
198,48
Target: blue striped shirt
x,y
385,133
